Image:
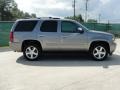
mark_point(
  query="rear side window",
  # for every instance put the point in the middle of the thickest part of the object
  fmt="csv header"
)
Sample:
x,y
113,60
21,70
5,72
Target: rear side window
x,y
25,26
49,26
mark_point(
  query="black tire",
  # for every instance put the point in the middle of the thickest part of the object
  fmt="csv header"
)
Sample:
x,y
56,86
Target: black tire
x,y
97,46
38,49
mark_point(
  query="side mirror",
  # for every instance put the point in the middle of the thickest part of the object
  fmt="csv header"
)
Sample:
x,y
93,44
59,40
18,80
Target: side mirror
x,y
80,30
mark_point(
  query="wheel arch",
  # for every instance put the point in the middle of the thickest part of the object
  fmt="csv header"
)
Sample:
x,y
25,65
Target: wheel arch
x,y
27,42
105,43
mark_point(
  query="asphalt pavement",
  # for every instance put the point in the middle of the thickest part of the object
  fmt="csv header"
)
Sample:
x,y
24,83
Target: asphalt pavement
x,y
59,72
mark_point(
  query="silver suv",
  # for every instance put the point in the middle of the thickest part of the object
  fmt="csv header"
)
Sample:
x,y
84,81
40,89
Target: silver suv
x,y
33,36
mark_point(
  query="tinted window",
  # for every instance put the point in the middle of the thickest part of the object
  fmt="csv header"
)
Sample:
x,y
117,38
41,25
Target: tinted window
x,y
25,25
68,26
49,26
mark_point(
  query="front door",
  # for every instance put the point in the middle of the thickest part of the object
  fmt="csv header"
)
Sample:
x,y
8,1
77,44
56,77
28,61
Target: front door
x,y
71,39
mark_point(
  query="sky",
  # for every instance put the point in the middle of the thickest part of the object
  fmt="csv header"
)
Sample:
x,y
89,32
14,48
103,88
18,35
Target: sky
x,y
107,9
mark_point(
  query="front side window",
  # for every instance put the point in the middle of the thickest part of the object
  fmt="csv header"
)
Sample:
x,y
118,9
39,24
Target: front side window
x,y
68,27
49,26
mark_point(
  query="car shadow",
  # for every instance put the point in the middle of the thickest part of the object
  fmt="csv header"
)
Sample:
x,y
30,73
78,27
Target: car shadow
x,y
71,59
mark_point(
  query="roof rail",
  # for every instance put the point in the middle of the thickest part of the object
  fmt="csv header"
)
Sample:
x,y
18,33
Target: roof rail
x,y
47,18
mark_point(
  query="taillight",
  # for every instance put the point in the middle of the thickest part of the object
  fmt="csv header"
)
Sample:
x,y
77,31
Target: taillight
x,y
11,37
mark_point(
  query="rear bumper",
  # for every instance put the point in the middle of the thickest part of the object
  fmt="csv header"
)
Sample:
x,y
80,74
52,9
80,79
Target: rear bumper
x,y
112,47
15,46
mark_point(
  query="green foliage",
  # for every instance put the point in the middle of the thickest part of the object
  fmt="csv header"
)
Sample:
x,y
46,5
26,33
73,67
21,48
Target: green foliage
x,y
10,12
77,18
92,21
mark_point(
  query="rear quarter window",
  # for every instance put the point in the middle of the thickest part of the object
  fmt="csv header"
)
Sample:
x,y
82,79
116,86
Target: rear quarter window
x,y
25,26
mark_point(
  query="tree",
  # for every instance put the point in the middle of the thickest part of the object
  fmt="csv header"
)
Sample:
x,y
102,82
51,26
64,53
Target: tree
x,y
77,18
92,21
26,15
33,15
6,7
9,11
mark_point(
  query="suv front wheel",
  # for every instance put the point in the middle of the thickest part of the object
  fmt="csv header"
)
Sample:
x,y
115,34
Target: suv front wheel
x,y
32,52
99,52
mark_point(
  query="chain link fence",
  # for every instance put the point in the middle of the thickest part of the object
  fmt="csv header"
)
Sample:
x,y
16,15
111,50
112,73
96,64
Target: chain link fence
x,y
5,28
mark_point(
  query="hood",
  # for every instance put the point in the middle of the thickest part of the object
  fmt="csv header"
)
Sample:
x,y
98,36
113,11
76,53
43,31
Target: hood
x,y
100,32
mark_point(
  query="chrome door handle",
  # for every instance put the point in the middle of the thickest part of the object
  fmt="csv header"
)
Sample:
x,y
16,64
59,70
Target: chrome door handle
x,y
65,36
41,35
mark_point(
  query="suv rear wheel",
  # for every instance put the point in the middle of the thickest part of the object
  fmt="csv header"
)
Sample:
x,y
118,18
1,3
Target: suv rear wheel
x,y
32,52
99,52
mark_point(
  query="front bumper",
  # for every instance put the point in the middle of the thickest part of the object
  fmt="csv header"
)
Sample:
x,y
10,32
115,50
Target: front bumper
x,y
112,47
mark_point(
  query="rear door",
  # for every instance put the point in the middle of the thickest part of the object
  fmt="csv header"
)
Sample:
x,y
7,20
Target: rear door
x,y
24,30
49,34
